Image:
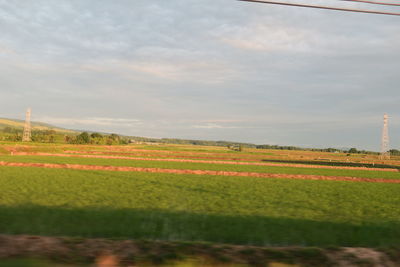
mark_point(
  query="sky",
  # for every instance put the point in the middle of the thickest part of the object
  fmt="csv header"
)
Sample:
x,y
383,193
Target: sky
x,y
204,69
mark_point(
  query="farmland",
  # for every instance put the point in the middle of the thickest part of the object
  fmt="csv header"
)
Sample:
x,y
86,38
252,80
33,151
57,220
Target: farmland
x,y
220,208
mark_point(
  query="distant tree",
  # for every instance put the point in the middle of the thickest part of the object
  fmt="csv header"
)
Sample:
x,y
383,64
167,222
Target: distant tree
x,y
352,150
8,129
83,138
115,137
49,132
330,149
109,141
394,152
124,141
15,137
67,139
96,135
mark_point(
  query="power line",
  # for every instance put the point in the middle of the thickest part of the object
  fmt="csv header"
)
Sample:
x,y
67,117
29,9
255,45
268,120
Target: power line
x,y
372,2
323,7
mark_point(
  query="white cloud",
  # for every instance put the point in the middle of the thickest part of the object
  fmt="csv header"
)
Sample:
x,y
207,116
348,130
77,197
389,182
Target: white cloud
x,y
209,126
95,121
178,70
174,65
268,38
5,50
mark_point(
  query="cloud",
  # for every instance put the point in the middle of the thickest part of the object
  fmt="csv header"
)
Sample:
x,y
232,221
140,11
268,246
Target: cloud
x,y
202,69
210,126
89,121
4,50
178,70
268,38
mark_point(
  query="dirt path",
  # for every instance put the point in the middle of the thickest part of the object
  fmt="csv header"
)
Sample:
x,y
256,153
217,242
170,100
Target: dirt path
x,y
206,161
199,172
101,252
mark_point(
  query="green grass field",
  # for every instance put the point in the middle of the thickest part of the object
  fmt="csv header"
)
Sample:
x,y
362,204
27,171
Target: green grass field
x,y
202,166
240,210
221,209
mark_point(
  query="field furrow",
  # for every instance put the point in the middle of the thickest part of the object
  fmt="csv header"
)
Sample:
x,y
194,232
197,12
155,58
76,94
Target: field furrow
x,y
198,172
195,165
205,161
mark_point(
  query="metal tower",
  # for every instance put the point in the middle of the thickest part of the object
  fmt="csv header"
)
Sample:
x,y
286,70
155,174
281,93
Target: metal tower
x,y
385,154
26,137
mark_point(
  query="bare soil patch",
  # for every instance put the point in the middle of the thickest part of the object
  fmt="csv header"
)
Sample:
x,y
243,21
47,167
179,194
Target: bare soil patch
x,y
118,253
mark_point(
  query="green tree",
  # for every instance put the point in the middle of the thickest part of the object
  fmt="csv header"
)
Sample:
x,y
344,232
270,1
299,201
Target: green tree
x,y
96,135
83,138
115,137
353,150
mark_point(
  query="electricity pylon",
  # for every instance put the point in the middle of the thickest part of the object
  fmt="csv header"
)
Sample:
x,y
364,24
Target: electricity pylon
x,y
26,137
385,154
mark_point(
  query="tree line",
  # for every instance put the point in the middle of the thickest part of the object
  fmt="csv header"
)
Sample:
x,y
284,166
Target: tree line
x,y
97,139
51,136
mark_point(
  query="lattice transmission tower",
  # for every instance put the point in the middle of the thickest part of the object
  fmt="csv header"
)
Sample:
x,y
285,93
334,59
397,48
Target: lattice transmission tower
x,y
385,154
27,136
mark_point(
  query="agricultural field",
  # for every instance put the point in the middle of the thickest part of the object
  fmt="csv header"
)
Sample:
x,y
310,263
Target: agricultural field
x,y
199,194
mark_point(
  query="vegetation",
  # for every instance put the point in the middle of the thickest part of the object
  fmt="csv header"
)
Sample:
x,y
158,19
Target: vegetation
x,y
394,152
201,166
11,130
334,163
97,139
351,150
170,216
240,210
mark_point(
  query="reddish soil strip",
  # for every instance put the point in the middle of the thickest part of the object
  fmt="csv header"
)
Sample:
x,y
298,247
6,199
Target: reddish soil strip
x,y
124,154
114,149
207,161
199,172
127,149
156,154
170,154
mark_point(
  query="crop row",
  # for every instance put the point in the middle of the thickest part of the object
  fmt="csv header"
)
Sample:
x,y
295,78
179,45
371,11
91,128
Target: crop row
x,y
201,166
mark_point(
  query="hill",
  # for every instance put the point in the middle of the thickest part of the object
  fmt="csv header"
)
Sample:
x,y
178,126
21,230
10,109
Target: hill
x,y
36,126
11,130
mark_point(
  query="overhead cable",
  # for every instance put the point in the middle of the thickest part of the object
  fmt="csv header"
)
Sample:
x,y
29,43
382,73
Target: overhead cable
x,y
323,7
372,2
